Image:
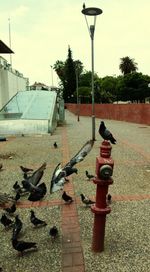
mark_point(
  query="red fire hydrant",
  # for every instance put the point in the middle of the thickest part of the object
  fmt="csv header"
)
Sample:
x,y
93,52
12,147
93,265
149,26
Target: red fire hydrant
x,y
104,170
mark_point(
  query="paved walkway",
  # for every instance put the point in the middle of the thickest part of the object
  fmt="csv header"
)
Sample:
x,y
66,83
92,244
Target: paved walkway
x,y
128,154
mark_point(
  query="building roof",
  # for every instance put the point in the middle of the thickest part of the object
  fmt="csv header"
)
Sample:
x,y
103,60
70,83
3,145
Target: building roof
x,y
4,49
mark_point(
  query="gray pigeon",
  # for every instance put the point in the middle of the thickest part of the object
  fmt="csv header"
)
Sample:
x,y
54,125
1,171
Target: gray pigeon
x,y
105,133
21,246
86,200
60,173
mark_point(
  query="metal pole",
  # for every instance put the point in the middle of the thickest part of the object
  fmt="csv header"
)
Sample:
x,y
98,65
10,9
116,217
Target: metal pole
x,y
10,41
92,11
92,28
52,74
77,94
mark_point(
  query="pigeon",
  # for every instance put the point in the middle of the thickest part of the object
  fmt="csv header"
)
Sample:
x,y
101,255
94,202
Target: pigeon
x,y
17,226
21,246
109,198
59,177
70,170
5,198
105,133
27,185
1,166
38,193
57,180
11,210
35,197
17,196
83,5
32,188
55,145
5,221
25,170
88,175
60,173
35,221
86,200
53,232
67,198
18,188
86,148
30,183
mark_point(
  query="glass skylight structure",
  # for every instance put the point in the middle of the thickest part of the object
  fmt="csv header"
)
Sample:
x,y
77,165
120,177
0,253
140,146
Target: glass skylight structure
x,y
32,105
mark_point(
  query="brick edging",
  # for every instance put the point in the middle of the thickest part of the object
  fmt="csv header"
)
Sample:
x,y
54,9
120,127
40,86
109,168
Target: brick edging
x,y
72,252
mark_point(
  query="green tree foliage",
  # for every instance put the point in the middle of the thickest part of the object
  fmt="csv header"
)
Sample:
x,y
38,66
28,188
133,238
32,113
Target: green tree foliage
x,y
127,65
120,86
133,87
70,76
66,72
59,68
78,67
84,94
85,79
108,89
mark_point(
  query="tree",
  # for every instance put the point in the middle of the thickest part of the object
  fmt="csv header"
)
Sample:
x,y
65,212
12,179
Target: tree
x,y
70,77
133,87
108,87
78,67
85,79
84,94
59,68
128,65
66,72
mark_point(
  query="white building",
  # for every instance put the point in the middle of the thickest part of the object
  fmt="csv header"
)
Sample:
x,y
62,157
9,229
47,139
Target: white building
x,y
11,82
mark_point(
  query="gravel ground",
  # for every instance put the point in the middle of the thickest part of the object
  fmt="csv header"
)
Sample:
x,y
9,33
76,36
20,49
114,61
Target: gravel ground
x,y
126,238
41,259
127,244
127,228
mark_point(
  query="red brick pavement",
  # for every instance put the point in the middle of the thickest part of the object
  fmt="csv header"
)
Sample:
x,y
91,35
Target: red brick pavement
x,y
72,253
77,201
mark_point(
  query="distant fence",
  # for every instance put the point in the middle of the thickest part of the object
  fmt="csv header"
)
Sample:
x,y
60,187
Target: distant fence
x,y
135,113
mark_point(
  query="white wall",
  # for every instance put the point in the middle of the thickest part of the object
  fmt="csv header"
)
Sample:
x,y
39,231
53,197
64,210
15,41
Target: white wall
x,y
10,84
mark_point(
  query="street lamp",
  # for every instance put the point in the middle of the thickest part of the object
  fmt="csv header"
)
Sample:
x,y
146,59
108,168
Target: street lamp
x,y
92,12
77,87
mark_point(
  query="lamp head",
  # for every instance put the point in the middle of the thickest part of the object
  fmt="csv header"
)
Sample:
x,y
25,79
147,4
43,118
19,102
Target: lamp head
x,y
91,11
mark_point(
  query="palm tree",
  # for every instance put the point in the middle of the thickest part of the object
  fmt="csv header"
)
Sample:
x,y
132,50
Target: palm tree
x,y
127,65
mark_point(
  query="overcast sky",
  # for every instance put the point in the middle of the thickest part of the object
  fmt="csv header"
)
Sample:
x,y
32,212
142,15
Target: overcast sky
x,y
42,30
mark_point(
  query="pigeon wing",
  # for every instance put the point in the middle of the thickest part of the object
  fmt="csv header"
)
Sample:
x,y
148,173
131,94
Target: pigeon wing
x,y
42,188
54,176
37,175
82,153
58,186
107,133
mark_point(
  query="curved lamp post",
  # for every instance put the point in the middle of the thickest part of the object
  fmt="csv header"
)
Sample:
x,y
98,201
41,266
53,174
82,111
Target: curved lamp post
x,y
92,12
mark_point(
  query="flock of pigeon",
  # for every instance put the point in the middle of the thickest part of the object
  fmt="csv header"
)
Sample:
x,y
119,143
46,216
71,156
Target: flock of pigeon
x,y
30,185
17,225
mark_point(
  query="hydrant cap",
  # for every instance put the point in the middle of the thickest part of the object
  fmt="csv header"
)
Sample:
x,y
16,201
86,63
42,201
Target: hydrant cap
x,y
106,171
